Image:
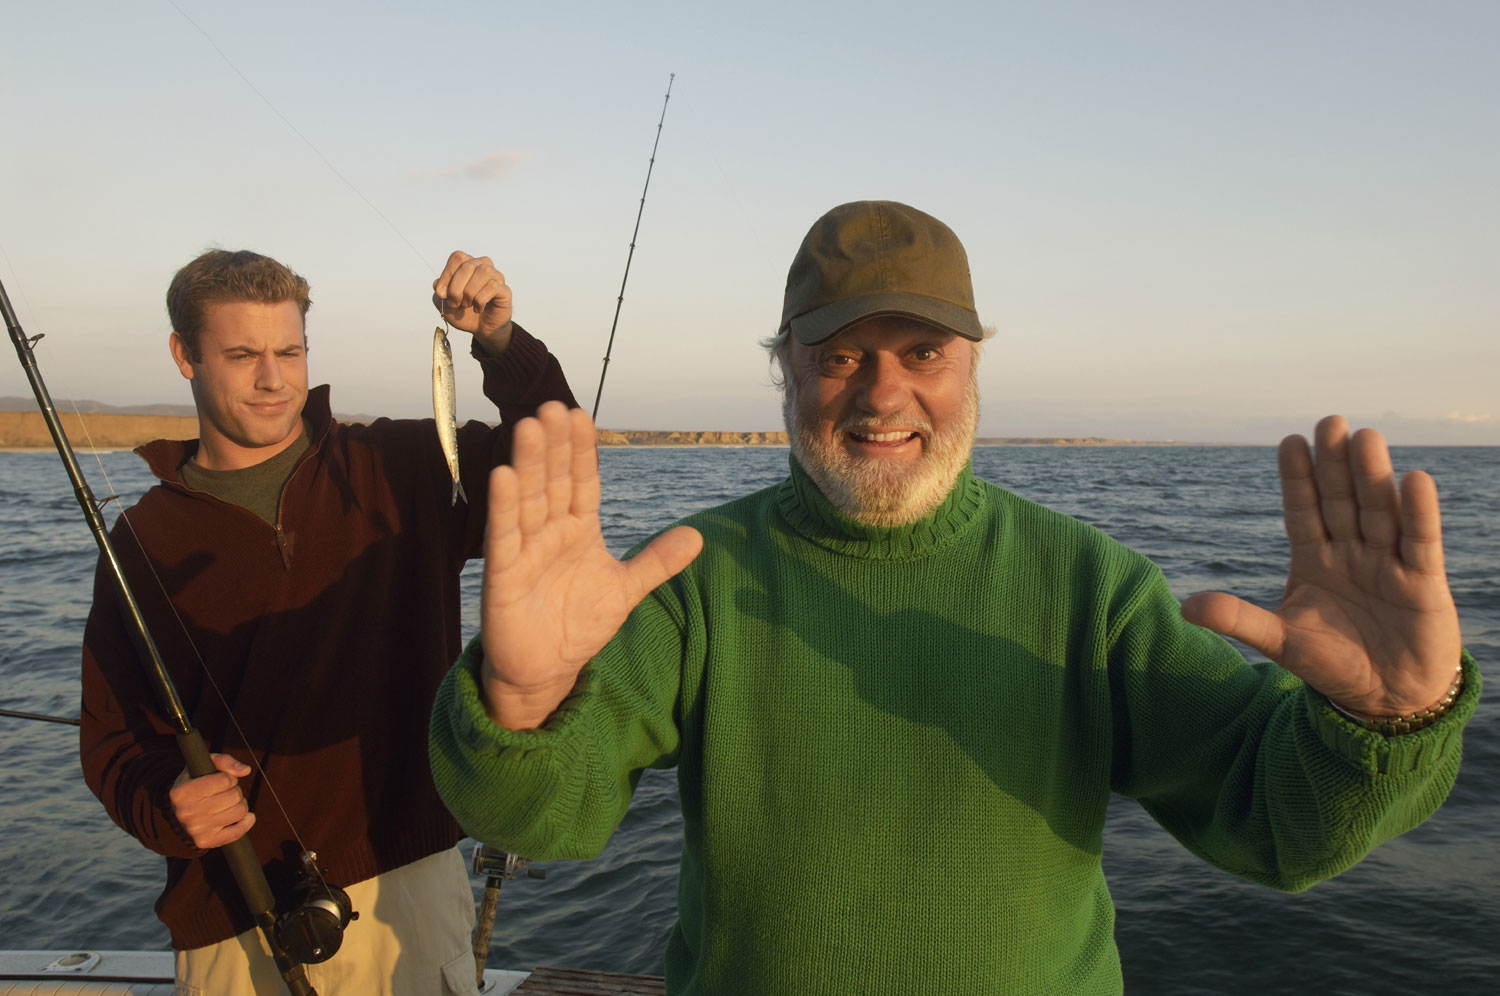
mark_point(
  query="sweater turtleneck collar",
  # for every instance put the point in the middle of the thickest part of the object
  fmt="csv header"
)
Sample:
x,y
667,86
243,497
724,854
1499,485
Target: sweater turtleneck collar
x,y
811,514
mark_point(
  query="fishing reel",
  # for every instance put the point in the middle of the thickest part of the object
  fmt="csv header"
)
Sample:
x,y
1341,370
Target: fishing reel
x,y
310,927
498,865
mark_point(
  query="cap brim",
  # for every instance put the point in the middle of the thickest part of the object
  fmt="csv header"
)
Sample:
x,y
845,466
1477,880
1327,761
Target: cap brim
x,y
828,321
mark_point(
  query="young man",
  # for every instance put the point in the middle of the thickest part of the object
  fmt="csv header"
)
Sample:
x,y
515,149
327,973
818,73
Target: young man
x,y
884,662
300,577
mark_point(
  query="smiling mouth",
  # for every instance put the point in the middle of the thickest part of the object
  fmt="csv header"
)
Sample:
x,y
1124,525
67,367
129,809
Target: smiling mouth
x,y
883,438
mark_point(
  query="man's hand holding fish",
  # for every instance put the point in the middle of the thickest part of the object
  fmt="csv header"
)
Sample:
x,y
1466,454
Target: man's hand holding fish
x,y
473,296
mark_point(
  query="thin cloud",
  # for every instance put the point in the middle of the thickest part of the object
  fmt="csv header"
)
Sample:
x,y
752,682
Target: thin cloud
x,y
490,166
1469,418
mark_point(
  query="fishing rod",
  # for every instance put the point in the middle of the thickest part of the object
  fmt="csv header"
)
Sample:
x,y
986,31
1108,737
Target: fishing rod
x,y
239,854
18,714
630,255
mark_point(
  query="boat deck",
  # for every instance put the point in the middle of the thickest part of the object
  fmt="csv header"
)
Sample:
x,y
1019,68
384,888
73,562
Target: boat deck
x,y
546,980
149,973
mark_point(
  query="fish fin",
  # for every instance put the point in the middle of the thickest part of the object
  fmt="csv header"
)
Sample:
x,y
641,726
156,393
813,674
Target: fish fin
x,y
458,492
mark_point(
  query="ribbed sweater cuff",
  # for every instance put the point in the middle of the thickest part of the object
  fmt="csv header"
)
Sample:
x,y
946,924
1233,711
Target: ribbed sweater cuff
x,y
1377,754
543,797
478,733
520,366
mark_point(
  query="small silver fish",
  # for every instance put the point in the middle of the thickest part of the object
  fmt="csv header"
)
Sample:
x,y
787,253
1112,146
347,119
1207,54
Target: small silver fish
x,y
445,406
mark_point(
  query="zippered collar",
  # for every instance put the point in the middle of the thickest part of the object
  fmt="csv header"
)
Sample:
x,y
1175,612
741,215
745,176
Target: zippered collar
x,y
165,457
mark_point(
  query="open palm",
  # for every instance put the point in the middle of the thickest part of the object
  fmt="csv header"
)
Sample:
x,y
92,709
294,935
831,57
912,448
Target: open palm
x,y
553,595
1367,618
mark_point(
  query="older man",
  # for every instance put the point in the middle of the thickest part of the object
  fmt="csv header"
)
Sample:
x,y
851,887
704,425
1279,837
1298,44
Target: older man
x,y
883,663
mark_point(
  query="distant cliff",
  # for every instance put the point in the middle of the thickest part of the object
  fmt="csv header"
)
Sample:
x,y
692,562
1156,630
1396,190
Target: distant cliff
x,y
25,430
28,431
1065,441
646,437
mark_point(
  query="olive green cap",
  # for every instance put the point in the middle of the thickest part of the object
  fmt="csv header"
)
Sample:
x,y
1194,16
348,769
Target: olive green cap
x,y
871,258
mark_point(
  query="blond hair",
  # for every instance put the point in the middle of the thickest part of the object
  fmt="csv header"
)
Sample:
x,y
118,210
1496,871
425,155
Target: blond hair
x,y
220,276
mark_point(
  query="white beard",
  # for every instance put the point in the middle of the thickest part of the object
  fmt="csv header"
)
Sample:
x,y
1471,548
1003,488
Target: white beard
x,y
884,492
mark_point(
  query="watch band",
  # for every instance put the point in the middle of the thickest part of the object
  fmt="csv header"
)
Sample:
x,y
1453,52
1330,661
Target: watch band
x,y
1392,726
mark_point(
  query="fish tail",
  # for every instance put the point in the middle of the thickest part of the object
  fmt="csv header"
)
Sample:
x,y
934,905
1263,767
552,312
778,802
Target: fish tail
x,y
458,492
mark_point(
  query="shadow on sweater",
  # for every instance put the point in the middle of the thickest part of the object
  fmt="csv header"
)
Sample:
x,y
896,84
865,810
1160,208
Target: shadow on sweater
x,y
1041,722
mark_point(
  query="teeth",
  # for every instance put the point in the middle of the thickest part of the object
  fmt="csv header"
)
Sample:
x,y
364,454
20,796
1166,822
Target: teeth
x,y
883,437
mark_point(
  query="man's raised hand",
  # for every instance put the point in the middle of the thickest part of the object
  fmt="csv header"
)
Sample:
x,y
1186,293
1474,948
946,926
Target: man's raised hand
x,y
1367,618
553,595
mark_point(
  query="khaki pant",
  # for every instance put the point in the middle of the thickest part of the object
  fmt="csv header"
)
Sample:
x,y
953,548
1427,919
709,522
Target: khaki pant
x,y
412,938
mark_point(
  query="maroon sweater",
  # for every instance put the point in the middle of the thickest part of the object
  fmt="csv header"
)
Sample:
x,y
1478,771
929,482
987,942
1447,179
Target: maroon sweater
x,y
326,635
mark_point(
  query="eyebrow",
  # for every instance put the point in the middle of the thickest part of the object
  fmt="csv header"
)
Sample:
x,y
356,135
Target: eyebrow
x,y
244,350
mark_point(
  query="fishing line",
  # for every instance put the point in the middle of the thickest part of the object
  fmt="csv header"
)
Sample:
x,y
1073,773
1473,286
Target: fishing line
x,y
281,931
296,131
203,666
218,692
99,505
298,985
187,635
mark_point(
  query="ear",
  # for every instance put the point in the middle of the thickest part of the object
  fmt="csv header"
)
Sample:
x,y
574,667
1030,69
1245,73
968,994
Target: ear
x,y
180,355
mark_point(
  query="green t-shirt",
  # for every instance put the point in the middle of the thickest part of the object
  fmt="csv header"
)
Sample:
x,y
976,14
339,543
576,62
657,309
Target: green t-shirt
x,y
257,488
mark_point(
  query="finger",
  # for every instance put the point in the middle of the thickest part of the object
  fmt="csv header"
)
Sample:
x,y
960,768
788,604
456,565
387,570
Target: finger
x,y
230,765
488,291
1299,493
225,834
1335,486
497,308
479,294
1234,617
528,456
1375,488
502,533
1421,524
558,423
440,286
221,809
468,280
586,485
203,817
190,791
662,558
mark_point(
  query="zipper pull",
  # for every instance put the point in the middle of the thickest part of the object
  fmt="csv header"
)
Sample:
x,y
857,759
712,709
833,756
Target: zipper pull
x,y
284,546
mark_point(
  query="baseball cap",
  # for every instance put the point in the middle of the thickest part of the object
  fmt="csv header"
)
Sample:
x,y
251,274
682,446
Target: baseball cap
x,y
869,258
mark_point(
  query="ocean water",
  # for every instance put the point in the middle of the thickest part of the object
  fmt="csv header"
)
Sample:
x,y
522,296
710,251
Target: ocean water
x,y
1421,914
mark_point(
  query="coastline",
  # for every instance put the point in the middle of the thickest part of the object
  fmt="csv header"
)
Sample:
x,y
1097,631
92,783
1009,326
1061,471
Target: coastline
x,y
20,431
23,431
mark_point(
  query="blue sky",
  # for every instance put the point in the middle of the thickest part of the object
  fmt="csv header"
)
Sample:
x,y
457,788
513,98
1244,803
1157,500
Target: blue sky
x,y
1193,221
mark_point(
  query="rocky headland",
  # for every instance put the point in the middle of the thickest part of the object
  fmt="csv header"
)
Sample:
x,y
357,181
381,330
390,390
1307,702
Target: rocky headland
x,y
652,437
110,430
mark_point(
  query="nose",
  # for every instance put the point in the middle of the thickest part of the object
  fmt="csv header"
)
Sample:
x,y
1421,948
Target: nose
x,y
268,372
884,387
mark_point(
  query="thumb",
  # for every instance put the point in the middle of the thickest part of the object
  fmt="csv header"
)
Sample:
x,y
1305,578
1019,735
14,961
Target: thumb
x,y
228,764
661,559
1231,616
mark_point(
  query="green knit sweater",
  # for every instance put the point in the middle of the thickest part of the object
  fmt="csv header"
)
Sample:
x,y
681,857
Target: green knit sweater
x,y
895,747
